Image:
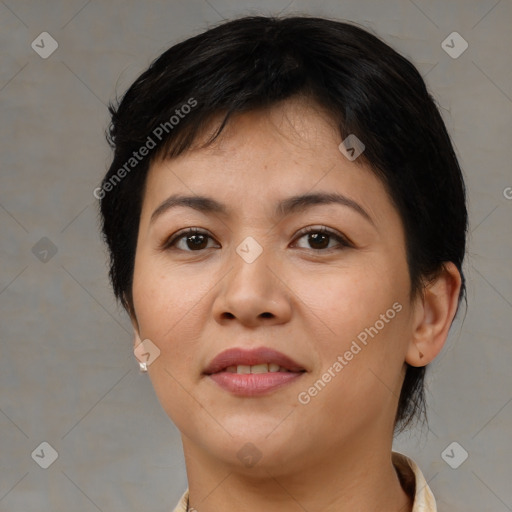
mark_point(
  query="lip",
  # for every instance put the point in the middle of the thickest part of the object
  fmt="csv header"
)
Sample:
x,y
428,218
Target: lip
x,y
250,357
253,384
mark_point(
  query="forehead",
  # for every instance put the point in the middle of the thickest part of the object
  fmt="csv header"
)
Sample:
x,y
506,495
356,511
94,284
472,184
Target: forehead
x,y
262,156
299,124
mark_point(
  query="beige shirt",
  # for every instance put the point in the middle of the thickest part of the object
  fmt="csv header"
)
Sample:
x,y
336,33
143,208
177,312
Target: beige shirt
x,y
411,478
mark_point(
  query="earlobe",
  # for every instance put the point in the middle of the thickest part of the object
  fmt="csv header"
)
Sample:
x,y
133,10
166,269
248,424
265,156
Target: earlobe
x,y
434,314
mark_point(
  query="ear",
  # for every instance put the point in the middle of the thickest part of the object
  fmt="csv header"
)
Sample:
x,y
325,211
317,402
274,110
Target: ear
x,y
433,316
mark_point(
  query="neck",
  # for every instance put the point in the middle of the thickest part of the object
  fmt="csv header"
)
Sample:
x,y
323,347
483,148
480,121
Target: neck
x,y
359,478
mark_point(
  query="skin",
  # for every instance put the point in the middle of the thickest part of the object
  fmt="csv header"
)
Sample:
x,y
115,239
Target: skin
x,y
307,301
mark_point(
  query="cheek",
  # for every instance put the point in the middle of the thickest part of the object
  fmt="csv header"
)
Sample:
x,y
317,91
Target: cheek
x,y
164,297
167,303
362,314
348,300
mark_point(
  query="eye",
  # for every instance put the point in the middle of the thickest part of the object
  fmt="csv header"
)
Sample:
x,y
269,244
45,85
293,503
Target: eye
x,y
195,239
319,237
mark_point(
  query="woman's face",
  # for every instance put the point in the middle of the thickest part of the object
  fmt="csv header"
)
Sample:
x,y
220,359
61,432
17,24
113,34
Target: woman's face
x,y
339,308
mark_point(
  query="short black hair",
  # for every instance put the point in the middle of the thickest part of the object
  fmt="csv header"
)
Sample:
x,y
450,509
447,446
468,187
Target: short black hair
x,y
255,62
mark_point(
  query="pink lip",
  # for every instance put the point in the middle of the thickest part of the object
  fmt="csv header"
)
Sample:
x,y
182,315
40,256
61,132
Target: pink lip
x,y
240,356
255,383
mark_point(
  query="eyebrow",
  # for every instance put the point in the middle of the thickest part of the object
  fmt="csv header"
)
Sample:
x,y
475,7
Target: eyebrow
x,y
284,208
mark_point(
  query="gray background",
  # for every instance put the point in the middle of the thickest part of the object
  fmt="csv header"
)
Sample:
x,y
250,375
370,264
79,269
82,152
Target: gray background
x,y
67,373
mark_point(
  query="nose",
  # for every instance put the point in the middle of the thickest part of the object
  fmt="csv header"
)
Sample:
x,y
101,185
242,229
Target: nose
x,y
254,291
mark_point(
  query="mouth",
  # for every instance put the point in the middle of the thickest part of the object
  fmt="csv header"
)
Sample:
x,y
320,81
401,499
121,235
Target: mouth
x,y
243,369
259,360
253,372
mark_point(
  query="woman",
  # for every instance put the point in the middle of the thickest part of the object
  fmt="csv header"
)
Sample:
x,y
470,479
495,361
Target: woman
x,y
286,222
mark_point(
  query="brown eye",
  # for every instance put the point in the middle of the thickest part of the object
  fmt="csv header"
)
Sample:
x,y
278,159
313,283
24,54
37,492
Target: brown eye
x,y
319,238
194,240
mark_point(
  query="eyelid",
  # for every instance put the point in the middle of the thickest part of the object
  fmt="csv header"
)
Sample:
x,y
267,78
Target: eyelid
x,y
170,241
343,240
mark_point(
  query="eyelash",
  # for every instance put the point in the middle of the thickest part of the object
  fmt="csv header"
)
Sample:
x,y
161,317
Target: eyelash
x,y
343,242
